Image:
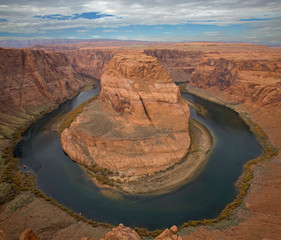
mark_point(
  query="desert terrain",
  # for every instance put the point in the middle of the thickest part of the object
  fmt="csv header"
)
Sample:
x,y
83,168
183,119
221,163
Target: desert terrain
x,y
244,77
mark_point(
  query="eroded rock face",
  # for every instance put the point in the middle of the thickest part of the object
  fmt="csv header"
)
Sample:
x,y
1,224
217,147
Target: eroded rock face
x,y
136,85
179,64
248,78
90,61
32,78
139,125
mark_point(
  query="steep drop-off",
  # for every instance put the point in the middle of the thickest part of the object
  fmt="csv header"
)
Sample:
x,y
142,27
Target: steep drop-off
x,y
90,61
178,63
139,125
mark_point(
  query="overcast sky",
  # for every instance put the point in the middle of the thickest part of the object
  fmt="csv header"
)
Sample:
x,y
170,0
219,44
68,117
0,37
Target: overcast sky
x,y
153,20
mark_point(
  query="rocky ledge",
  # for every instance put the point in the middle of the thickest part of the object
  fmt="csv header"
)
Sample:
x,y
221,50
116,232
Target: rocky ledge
x,y
139,125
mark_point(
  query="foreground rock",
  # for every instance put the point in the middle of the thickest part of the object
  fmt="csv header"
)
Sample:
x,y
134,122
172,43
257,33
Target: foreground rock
x,y
2,235
121,232
28,234
169,234
139,125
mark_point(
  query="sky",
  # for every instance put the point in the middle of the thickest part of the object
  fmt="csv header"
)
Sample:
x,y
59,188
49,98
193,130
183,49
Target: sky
x,y
149,20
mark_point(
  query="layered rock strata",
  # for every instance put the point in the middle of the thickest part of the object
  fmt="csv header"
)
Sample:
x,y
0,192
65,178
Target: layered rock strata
x,y
179,64
32,82
247,77
30,78
90,61
139,125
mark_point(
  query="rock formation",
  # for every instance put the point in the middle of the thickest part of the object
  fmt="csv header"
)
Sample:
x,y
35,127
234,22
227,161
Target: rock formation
x,y
121,232
3,235
28,234
139,125
169,234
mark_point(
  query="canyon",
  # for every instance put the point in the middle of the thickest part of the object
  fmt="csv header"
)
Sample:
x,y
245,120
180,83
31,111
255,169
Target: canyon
x,y
245,77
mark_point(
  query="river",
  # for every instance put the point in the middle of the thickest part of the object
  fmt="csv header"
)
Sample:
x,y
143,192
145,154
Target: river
x,y
204,197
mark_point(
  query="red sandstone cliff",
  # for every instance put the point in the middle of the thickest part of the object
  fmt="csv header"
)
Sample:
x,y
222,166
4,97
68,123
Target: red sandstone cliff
x,y
139,125
254,78
31,82
180,64
30,78
90,61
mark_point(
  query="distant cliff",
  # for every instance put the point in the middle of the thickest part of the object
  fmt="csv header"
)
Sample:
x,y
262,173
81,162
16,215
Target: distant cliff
x,y
252,78
90,61
245,71
178,63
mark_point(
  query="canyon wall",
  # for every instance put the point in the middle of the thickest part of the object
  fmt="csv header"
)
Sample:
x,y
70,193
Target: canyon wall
x,y
93,61
180,64
33,77
254,78
90,61
31,82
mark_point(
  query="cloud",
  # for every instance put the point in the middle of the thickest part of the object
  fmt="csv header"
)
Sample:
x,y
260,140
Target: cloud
x,y
214,34
109,30
40,17
82,31
85,15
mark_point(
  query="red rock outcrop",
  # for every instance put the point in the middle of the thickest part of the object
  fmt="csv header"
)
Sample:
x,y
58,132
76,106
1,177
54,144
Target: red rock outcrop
x,y
169,234
121,232
140,124
28,234
3,235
